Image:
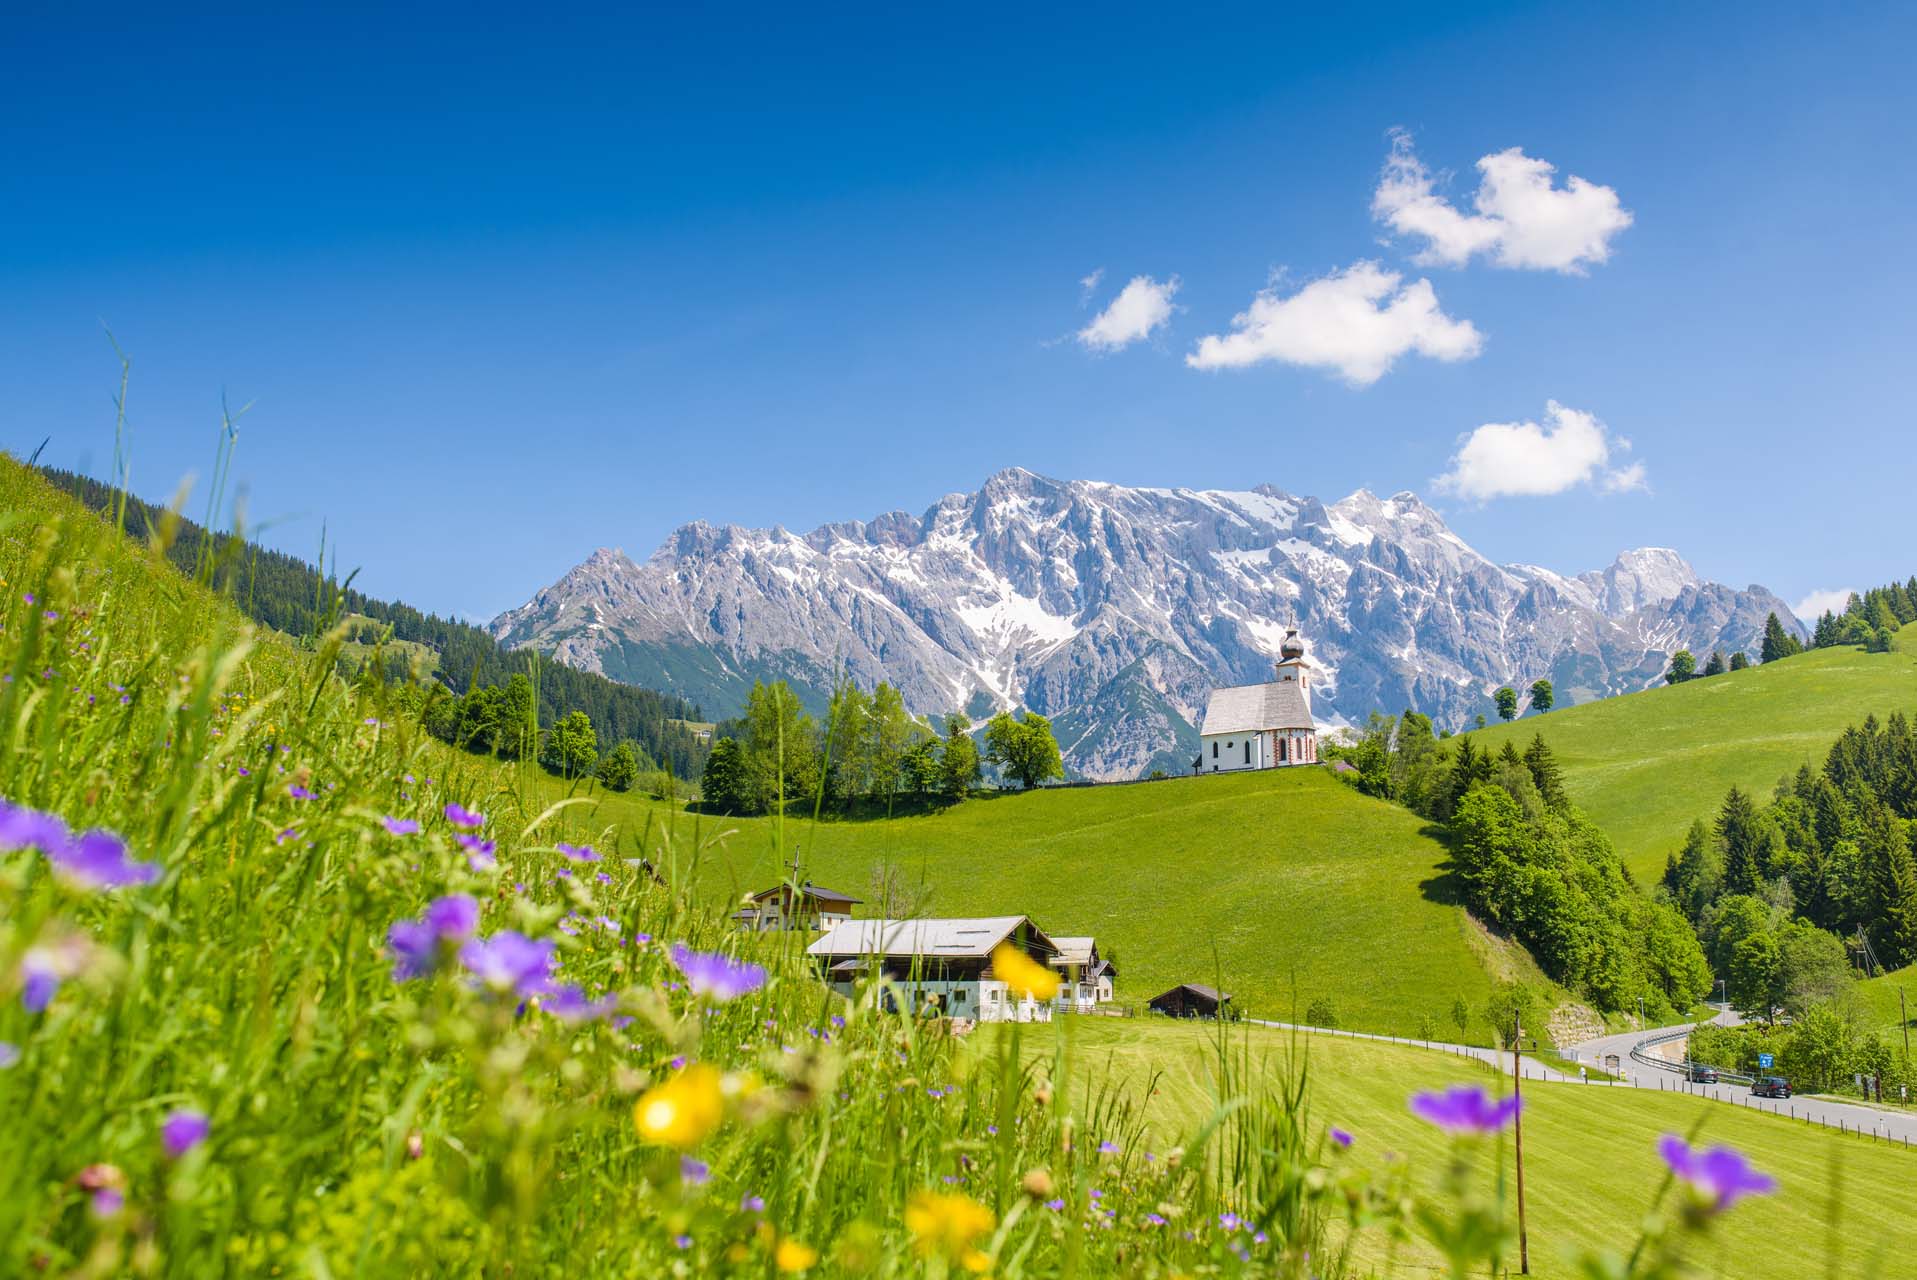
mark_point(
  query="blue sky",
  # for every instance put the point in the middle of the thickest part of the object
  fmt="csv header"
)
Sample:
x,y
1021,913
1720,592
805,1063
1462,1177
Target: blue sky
x,y
505,287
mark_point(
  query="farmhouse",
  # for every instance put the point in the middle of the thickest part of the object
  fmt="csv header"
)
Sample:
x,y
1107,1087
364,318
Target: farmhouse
x,y
809,907
947,959
1262,726
1087,976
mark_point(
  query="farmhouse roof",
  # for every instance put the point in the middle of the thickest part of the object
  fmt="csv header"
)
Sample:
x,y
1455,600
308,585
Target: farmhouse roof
x,y
960,938
807,890
1198,989
1250,708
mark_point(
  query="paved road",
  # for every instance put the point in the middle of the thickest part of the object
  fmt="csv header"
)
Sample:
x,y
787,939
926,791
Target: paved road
x,y
1533,1070
1890,1126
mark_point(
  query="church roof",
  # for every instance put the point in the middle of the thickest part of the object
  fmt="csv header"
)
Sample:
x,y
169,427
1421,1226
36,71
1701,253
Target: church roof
x,y
1250,708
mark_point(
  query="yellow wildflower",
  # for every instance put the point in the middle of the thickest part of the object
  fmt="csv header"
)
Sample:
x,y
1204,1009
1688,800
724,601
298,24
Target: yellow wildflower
x,y
944,1223
792,1256
684,1110
1023,975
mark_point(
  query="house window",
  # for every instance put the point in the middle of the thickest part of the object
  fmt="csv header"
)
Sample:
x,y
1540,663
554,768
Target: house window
x,y
1214,750
1247,750
1281,750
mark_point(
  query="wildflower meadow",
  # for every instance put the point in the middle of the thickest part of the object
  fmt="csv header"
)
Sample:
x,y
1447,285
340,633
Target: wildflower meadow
x,y
288,987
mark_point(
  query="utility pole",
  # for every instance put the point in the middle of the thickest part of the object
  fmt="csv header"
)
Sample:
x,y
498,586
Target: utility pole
x,y
1903,1015
1517,1091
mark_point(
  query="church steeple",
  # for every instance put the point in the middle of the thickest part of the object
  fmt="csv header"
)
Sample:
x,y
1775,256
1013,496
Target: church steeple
x,y
1292,665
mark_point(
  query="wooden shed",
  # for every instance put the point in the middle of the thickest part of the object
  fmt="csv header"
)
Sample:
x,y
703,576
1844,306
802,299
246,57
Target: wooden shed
x,y
1192,1000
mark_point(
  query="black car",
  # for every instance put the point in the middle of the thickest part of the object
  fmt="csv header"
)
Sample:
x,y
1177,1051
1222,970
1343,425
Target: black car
x,y
1698,1073
1771,1087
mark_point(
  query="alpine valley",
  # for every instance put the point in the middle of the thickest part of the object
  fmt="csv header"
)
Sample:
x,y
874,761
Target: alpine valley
x,y
1114,610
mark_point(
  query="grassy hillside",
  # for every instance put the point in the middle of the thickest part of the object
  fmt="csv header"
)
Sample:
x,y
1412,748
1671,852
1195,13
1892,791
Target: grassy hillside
x,y
1646,765
1277,884
1591,1168
1879,997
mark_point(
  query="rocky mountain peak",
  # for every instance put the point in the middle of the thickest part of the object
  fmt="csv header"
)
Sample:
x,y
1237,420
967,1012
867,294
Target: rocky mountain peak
x,y
1116,609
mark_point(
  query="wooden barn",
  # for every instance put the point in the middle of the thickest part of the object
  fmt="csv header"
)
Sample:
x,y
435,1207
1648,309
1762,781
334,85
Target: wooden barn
x,y
1192,1000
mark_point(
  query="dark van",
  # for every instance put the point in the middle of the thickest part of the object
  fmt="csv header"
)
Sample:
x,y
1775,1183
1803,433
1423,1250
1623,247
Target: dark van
x,y
1771,1087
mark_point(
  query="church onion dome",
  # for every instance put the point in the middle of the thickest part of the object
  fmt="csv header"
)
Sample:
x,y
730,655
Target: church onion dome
x,y
1293,648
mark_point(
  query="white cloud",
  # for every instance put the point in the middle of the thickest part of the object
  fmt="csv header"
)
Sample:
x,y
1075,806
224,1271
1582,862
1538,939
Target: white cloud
x,y
1814,605
1522,219
1356,321
1090,285
1141,306
1526,459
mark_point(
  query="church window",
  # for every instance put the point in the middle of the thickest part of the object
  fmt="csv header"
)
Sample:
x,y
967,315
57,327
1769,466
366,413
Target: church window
x,y
1248,751
1214,749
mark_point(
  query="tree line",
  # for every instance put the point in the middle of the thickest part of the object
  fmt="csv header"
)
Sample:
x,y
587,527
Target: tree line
x,y
870,751
1531,863
289,595
1834,850
1870,619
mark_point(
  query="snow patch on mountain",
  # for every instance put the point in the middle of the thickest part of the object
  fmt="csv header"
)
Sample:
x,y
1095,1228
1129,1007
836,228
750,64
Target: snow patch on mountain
x,y
1118,608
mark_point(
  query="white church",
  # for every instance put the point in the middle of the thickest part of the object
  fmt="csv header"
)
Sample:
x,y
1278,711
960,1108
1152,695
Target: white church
x,y
1262,726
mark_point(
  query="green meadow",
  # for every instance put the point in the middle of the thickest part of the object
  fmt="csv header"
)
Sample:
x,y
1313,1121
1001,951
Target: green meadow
x,y
1591,1168
1646,765
1279,887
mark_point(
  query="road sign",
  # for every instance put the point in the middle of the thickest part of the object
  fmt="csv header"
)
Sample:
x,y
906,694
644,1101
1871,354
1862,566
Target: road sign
x,y
1764,1061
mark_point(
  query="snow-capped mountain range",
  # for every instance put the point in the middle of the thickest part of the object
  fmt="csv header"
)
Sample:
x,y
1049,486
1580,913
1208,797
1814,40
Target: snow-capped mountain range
x,y
1115,610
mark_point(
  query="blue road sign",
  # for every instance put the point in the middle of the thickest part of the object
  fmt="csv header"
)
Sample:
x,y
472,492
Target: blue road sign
x,y
1764,1061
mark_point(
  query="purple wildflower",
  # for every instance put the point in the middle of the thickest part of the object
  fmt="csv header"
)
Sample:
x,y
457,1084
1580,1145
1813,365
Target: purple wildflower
x,y
38,980
694,1173
1342,1139
22,828
400,826
682,1242
1722,1176
455,915
97,860
415,946
752,1204
301,793
479,853
1465,1109
460,816
1055,1205
510,961
1153,1219
286,835
579,852
716,975
182,1130
1108,1148
569,1002
107,1202
678,1062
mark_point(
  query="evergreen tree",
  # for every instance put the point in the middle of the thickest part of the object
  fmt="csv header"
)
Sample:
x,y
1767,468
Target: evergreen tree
x,y
1545,772
1778,643
1743,837
1683,667
1828,631
726,786
1695,874
1740,661
919,767
1715,667
620,769
1507,700
1543,696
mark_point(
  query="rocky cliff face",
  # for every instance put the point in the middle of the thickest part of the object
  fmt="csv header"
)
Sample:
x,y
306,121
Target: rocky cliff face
x,y
1115,610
